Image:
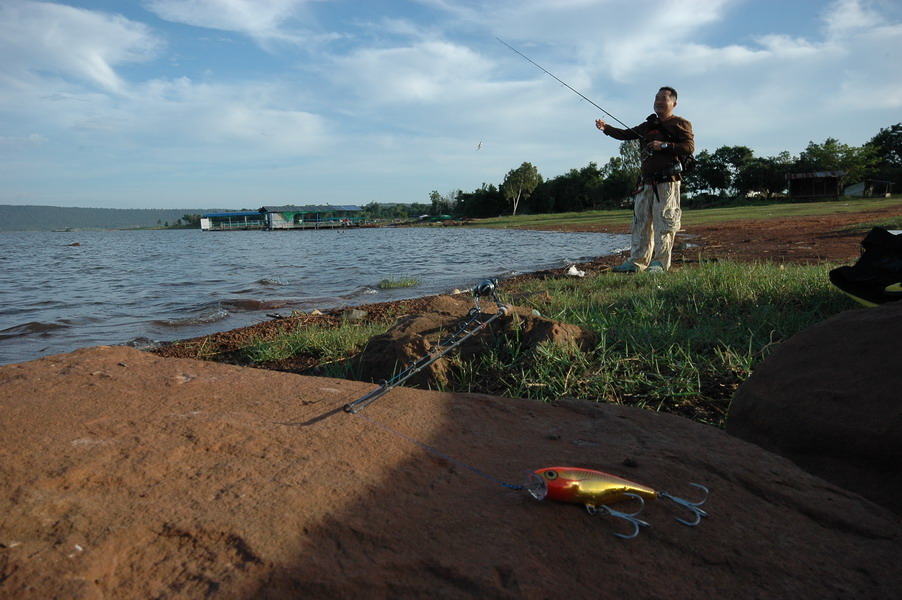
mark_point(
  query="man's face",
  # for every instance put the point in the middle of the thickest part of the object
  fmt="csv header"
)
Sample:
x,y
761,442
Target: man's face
x,y
664,104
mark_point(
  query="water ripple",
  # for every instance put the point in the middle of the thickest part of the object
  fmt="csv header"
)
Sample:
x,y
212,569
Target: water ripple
x,y
117,286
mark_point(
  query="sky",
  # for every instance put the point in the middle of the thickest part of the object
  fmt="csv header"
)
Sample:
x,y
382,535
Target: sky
x,y
245,103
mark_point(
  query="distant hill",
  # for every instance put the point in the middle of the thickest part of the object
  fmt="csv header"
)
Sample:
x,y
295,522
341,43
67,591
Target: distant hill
x,y
47,218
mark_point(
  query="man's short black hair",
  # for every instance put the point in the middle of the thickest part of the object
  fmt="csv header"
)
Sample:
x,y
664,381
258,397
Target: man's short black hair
x,y
673,92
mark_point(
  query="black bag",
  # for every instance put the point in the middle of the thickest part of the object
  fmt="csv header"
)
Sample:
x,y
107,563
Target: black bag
x,y
688,162
876,277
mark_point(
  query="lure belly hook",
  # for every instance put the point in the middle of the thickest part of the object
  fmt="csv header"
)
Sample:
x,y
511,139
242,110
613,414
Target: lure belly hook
x,y
596,490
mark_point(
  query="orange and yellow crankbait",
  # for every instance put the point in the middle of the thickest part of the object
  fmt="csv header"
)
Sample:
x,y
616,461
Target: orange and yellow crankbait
x,y
596,490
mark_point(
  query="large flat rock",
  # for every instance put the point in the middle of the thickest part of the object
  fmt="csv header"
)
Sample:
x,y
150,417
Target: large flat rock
x,y
830,400
128,475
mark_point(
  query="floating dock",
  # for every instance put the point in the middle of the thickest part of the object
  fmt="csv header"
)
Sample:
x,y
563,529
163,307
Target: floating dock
x,y
272,218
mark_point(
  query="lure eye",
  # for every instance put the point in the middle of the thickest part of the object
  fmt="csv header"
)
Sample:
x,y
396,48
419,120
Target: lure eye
x,y
550,475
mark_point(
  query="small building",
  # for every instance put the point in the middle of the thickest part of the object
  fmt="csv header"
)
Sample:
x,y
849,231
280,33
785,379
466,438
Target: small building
x,y
869,187
324,216
819,184
229,221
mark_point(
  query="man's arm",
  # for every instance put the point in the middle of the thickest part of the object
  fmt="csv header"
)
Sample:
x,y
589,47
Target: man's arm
x,y
679,135
618,134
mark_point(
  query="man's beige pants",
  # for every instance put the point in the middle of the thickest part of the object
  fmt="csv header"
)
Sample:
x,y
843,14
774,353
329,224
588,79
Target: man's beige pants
x,y
655,223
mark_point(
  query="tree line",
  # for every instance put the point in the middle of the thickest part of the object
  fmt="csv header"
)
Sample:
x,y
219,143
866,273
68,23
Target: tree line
x,y
728,174
46,218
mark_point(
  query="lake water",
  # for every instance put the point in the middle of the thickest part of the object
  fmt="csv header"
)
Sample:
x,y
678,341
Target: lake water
x,y
68,290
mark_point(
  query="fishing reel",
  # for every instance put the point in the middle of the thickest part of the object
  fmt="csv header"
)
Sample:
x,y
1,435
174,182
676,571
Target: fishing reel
x,y
486,287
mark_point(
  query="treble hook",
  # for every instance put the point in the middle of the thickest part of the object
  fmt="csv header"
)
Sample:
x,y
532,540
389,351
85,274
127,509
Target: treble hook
x,y
629,517
692,506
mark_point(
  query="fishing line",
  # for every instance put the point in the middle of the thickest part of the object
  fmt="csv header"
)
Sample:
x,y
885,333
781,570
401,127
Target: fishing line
x,y
565,84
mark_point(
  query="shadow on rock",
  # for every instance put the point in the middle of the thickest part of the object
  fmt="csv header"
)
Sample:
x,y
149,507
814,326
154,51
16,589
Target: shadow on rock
x,y
829,400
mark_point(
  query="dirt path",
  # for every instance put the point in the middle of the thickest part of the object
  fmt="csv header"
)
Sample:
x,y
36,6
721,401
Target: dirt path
x,y
797,240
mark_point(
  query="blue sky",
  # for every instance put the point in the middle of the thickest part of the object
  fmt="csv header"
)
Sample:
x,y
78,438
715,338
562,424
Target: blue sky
x,y
245,103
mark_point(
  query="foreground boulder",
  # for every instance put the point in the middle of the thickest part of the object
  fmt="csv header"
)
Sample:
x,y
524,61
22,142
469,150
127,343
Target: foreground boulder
x,y
127,475
830,400
420,335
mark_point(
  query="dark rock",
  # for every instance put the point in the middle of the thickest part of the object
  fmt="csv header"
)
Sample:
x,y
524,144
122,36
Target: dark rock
x,y
830,400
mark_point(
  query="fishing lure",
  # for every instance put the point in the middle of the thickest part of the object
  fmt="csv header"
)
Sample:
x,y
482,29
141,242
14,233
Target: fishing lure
x,y
596,490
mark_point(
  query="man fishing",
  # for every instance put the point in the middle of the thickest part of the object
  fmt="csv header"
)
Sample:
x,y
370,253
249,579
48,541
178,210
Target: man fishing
x,y
656,211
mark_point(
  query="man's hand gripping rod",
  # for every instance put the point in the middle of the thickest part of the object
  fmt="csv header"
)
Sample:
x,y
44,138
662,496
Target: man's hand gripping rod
x,y
487,287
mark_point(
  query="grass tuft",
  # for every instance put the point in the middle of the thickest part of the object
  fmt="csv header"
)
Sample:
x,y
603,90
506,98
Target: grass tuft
x,y
328,344
395,282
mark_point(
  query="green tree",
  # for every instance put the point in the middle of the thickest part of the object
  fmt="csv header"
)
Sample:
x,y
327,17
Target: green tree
x,y
577,189
732,159
519,183
887,146
821,157
190,220
857,163
631,157
487,201
764,176
709,176
415,209
441,205
619,179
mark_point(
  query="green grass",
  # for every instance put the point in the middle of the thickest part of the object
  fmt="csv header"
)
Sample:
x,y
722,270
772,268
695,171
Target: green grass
x,y
680,343
707,216
327,344
781,210
601,218
395,282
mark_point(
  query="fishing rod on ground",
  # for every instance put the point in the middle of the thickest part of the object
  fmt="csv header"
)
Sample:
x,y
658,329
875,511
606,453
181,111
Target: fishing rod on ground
x,y
569,87
487,287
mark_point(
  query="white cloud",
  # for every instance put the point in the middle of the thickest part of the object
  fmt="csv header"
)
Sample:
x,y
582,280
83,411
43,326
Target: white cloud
x,y
70,43
847,16
262,20
429,71
396,103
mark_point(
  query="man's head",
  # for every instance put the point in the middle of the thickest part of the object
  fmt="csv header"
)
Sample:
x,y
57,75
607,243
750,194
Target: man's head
x,y
665,102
